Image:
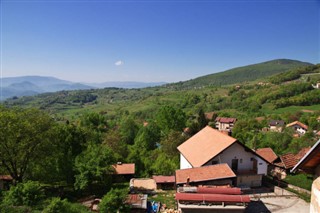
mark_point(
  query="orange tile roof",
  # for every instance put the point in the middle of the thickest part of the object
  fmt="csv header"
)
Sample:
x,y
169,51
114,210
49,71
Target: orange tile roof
x,y
297,123
268,154
163,179
289,160
205,145
124,168
205,173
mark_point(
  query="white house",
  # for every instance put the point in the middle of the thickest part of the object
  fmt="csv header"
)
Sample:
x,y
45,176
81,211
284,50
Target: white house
x,y
298,127
209,146
225,124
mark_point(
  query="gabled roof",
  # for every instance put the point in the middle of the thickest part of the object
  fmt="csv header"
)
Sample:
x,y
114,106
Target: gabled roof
x,y
164,179
205,173
310,161
226,120
288,160
124,168
205,145
276,123
268,154
298,123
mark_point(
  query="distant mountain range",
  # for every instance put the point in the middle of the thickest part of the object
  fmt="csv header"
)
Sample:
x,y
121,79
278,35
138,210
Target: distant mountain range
x,y
32,85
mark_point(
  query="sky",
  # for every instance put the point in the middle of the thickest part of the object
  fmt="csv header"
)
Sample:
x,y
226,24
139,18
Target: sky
x,y
154,40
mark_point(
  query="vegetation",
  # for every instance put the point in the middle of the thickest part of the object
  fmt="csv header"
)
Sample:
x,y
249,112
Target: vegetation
x,y
301,180
70,140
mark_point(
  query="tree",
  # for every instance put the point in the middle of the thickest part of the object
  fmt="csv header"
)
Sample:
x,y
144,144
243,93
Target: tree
x,y
169,118
114,201
128,130
23,133
93,166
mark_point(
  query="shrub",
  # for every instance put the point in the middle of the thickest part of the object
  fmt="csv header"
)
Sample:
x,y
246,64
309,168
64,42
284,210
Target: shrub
x,y
24,194
114,200
57,205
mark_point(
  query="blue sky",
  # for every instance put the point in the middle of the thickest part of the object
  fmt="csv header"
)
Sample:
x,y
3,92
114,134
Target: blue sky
x,y
152,41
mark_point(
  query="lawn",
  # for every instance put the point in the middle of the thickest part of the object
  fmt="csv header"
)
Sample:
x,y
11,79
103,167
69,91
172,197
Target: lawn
x,y
165,197
301,180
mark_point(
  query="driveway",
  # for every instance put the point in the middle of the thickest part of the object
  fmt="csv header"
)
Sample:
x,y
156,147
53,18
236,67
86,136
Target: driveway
x,y
279,205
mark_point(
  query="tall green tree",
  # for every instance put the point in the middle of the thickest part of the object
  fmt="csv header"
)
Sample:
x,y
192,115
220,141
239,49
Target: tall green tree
x,y
94,166
170,118
23,133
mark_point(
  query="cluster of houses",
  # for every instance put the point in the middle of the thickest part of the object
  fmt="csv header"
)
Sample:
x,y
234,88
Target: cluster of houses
x,y
216,169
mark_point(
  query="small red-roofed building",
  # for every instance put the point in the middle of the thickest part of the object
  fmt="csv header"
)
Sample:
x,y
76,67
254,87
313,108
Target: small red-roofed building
x,y
164,182
225,124
5,181
124,170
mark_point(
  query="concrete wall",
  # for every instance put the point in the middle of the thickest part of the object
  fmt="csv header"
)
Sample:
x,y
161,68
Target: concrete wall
x,y
315,196
249,180
184,164
236,151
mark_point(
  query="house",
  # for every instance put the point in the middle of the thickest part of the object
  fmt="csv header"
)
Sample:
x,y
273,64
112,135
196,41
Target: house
x,y
219,174
269,155
310,164
124,170
298,127
137,202
283,165
276,125
225,124
317,86
164,182
210,146
286,162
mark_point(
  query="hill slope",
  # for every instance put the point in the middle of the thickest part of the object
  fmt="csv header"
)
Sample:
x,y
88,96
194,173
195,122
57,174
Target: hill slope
x,y
242,74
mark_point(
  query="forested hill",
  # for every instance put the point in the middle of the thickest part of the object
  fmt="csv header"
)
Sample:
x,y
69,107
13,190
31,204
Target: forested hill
x,y
242,74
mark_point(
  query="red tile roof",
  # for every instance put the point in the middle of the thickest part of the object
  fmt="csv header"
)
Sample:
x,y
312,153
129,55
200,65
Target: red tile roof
x,y
124,168
268,154
164,179
205,173
212,197
299,124
289,160
6,177
226,120
205,145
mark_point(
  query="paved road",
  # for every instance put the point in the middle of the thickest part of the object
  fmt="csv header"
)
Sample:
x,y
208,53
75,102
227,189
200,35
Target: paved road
x,y
278,205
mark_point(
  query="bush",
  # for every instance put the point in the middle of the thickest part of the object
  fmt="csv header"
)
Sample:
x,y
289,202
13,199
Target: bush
x,y
57,205
24,194
114,200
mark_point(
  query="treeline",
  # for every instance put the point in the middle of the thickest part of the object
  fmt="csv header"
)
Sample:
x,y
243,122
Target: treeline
x,y
294,74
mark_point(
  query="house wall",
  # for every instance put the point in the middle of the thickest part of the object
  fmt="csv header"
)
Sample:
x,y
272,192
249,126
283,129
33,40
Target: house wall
x,y
236,151
299,129
249,180
184,164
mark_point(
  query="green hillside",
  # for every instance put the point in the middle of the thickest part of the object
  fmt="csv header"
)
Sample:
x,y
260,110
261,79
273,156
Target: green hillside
x,y
242,74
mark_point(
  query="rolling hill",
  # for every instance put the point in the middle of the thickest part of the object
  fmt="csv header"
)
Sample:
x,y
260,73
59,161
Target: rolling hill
x,y
242,74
